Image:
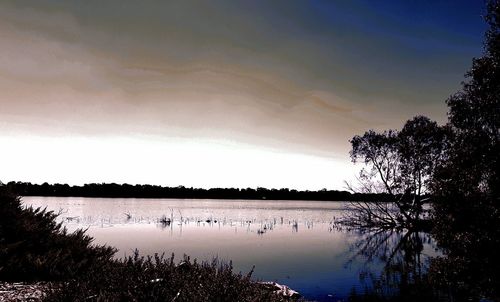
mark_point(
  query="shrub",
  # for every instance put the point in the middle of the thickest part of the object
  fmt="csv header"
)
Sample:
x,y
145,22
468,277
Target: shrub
x,y
33,246
160,279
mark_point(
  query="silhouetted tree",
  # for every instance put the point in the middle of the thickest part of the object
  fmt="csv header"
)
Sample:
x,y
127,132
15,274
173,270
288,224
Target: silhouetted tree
x,y
399,164
466,183
153,191
472,168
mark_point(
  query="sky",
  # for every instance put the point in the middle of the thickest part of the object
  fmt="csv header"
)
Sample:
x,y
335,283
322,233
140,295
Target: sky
x,y
219,93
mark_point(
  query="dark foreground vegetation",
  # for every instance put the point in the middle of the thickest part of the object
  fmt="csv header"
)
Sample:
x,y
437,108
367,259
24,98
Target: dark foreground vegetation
x,y
33,247
161,279
151,191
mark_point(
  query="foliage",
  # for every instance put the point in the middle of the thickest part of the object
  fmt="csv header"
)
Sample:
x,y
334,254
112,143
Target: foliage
x,y
34,247
467,211
472,167
160,279
153,191
400,164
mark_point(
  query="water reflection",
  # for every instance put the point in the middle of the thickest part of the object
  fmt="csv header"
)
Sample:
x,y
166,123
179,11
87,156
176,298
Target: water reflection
x,y
396,265
458,262
299,243
290,242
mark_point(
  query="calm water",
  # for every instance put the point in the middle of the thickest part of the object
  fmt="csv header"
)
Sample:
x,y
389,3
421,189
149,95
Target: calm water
x,y
290,242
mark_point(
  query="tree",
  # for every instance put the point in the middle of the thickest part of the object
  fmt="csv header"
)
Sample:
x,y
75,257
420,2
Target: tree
x,y
399,164
474,116
466,181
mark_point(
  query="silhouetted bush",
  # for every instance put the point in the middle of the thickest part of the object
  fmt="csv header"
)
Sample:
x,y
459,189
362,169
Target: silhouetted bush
x,y
33,246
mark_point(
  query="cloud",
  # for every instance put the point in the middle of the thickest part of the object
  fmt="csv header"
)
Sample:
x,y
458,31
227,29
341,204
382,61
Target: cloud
x,y
294,77
53,83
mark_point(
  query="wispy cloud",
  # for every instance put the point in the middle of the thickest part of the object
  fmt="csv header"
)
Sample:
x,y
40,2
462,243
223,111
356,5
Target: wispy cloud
x,y
299,77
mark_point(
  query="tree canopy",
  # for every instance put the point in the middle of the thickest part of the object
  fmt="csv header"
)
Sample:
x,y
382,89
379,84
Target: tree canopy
x,y
474,117
400,164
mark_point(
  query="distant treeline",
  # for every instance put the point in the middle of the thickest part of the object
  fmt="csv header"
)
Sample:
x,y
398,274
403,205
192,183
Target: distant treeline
x,y
151,191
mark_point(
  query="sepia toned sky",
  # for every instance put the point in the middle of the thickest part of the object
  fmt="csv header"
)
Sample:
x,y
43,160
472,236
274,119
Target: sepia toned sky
x,y
219,93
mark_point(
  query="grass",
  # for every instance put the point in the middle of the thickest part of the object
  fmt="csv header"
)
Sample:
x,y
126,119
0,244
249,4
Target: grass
x,y
160,279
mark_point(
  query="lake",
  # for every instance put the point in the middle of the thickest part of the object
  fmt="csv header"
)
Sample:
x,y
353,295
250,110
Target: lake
x,y
291,242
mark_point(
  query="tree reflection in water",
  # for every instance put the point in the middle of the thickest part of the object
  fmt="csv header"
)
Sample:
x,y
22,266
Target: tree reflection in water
x,y
395,267
458,262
